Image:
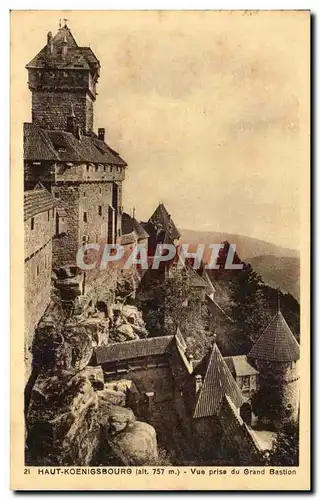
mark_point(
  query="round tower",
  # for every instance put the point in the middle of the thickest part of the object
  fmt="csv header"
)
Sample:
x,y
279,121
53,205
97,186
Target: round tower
x,y
276,355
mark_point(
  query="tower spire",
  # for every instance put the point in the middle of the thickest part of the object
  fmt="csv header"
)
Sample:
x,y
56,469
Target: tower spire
x,y
278,300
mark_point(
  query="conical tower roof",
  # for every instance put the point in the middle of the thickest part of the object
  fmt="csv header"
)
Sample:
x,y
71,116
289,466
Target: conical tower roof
x,y
277,343
162,221
217,384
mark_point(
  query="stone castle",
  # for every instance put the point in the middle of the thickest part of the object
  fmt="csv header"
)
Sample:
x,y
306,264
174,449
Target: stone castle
x,y
73,195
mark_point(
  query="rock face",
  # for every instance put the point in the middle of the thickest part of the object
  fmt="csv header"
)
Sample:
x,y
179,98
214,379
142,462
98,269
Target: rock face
x,y
137,443
62,421
127,323
73,417
133,442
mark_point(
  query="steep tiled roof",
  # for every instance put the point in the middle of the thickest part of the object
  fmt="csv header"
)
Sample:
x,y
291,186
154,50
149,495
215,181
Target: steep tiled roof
x,y
214,308
162,222
75,56
37,145
37,201
133,349
239,366
217,384
195,279
131,225
277,343
58,145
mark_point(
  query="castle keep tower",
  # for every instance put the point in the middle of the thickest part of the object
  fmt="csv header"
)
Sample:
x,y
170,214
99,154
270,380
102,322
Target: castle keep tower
x,y
62,151
61,75
276,355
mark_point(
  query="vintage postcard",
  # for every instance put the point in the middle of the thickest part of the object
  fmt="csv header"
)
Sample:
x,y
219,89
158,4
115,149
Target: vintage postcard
x,y
160,206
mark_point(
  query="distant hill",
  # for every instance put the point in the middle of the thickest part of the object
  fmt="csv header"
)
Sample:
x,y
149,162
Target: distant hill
x,y
278,266
246,247
279,272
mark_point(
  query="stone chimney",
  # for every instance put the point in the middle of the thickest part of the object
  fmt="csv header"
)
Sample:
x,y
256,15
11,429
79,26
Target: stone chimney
x,y
198,380
72,122
49,43
101,134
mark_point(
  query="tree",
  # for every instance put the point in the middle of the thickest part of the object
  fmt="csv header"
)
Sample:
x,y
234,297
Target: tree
x,y
285,450
171,303
251,310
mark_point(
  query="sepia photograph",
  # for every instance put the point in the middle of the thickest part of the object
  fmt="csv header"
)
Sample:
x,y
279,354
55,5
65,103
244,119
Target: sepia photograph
x,y
164,171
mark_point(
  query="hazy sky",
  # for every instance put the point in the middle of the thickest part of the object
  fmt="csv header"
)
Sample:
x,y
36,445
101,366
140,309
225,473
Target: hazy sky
x,y
207,108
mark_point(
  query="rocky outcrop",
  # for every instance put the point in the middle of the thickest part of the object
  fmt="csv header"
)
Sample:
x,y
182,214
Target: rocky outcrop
x,y
73,417
137,443
127,323
119,418
131,441
62,421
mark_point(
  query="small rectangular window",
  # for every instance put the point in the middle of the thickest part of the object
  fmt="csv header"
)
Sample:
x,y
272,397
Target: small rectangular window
x,y
88,168
111,170
97,238
84,194
48,215
38,269
53,213
100,210
97,168
32,223
100,190
56,195
104,168
84,239
85,217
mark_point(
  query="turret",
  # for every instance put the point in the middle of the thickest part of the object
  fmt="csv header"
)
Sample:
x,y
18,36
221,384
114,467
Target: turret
x,y
275,355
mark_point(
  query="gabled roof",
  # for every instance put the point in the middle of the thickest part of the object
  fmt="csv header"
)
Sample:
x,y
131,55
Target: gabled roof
x,y
58,145
277,343
131,225
133,349
36,201
75,57
239,366
162,221
217,384
195,279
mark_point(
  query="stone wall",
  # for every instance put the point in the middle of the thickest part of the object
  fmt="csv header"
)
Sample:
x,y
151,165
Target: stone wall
x,y
50,109
283,379
224,439
43,230
37,288
94,200
65,246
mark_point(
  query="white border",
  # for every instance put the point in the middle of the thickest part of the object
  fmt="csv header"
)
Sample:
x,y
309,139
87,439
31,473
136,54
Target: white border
x,y
313,5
